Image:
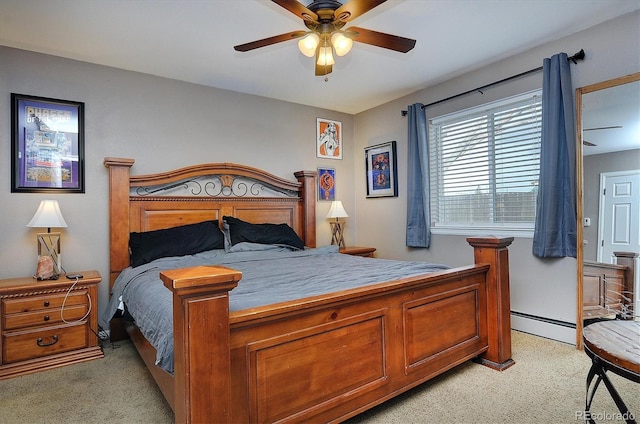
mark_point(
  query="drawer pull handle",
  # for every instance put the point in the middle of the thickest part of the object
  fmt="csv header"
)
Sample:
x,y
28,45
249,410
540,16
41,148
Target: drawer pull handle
x,y
41,344
46,303
46,318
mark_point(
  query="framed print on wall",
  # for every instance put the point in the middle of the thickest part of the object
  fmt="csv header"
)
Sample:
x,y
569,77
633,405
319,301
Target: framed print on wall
x,y
47,145
326,184
328,139
382,174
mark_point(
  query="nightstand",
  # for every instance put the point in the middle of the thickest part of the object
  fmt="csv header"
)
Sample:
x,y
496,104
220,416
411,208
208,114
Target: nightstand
x,y
48,324
367,252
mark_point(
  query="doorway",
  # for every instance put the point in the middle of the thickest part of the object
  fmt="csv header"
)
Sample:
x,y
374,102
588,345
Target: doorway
x,y
619,214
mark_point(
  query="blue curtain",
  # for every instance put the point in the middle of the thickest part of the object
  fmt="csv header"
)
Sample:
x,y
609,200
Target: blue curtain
x,y
556,227
418,215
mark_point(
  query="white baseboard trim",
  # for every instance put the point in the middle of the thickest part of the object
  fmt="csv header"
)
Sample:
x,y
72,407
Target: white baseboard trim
x,y
544,327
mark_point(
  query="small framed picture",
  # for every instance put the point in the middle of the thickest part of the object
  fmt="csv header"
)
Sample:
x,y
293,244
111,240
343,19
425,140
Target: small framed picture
x,y
326,184
47,150
382,174
328,139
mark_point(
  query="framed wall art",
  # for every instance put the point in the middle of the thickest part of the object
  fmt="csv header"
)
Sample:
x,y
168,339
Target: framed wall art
x,y
328,139
326,184
382,174
47,150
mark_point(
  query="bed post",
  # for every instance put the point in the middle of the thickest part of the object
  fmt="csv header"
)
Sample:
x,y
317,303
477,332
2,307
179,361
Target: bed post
x,y
118,214
119,172
493,251
308,181
202,358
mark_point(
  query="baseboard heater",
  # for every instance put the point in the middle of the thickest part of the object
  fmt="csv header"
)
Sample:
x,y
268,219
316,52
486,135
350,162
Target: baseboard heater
x,y
543,319
545,327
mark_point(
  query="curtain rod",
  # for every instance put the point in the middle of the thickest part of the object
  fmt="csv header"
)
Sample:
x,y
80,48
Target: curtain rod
x,y
578,56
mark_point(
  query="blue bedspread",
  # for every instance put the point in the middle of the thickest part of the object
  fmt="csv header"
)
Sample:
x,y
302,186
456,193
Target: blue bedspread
x,y
269,276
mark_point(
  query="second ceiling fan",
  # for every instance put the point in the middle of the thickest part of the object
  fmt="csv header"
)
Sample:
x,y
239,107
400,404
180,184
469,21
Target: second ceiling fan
x,y
325,20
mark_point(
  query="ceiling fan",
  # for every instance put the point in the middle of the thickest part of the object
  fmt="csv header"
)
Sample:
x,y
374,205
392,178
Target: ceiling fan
x,y
325,20
590,144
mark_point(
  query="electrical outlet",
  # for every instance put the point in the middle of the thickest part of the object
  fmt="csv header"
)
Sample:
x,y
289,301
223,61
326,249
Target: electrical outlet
x,y
587,222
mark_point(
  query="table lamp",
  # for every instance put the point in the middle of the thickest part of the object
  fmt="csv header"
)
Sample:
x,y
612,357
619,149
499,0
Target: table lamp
x,y
337,226
48,215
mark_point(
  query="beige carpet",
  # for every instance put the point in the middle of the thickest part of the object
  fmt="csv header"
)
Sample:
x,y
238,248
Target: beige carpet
x,y
547,385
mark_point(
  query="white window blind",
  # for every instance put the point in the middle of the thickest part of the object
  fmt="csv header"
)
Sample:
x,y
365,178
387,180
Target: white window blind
x,y
484,165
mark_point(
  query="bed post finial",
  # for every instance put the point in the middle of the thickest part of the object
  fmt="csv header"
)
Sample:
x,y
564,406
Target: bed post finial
x,y
493,251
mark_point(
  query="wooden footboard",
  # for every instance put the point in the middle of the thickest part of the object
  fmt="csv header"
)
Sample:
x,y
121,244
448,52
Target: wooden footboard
x,y
330,357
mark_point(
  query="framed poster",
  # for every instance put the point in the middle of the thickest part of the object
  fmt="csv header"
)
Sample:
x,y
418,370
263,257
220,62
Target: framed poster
x,y
47,149
328,139
326,184
382,175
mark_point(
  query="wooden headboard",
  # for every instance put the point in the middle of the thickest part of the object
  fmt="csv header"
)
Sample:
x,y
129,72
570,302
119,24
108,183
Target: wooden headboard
x,y
199,193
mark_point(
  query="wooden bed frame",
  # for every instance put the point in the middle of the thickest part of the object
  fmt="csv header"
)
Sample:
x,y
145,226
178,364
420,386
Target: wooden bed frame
x,y
324,358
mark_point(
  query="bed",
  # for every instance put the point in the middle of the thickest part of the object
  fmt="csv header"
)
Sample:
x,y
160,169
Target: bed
x,y
324,357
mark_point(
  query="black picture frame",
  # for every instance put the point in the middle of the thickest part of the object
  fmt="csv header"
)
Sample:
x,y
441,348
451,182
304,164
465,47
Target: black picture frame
x,y
47,149
382,170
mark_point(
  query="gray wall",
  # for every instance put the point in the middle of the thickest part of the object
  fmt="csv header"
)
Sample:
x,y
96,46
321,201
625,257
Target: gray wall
x,y
542,288
594,165
165,124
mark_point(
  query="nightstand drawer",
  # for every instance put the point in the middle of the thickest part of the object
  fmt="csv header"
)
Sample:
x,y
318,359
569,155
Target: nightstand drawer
x,y
23,345
44,317
35,303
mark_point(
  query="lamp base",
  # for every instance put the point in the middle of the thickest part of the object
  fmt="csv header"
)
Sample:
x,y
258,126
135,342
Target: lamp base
x,y
337,233
49,247
46,269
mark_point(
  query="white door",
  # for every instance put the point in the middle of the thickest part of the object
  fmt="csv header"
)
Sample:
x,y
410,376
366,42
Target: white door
x,y
619,223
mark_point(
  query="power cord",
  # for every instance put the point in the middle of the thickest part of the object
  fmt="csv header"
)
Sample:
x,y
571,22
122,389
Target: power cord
x,y
102,334
65,301
103,338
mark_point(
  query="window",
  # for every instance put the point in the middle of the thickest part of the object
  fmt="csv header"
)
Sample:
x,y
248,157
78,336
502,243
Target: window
x,y
484,166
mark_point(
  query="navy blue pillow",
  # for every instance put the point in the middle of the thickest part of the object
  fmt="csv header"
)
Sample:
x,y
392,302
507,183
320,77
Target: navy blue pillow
x,y
280,234
177,241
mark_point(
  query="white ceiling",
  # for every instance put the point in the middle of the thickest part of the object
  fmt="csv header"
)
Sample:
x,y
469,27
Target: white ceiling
x,y
611,119
192,40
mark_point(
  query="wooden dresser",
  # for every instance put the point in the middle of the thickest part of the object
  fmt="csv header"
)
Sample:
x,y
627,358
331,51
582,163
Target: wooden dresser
x,y
47,324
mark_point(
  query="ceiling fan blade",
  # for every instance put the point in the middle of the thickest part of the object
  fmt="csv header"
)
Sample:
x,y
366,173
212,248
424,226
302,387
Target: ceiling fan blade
x,y
268,41
380,39
354,8
603,128
297,9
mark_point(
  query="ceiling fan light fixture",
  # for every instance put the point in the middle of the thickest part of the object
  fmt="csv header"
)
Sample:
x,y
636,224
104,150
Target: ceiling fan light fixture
x,y
308,44
341,43
325,56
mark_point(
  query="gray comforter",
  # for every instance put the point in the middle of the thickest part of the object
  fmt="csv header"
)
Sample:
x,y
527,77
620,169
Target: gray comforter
x,y
268,276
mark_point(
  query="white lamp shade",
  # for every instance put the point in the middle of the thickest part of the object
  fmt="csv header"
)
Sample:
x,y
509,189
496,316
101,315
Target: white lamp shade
x,y
308,44
341,43
337,210
48,215
325,56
